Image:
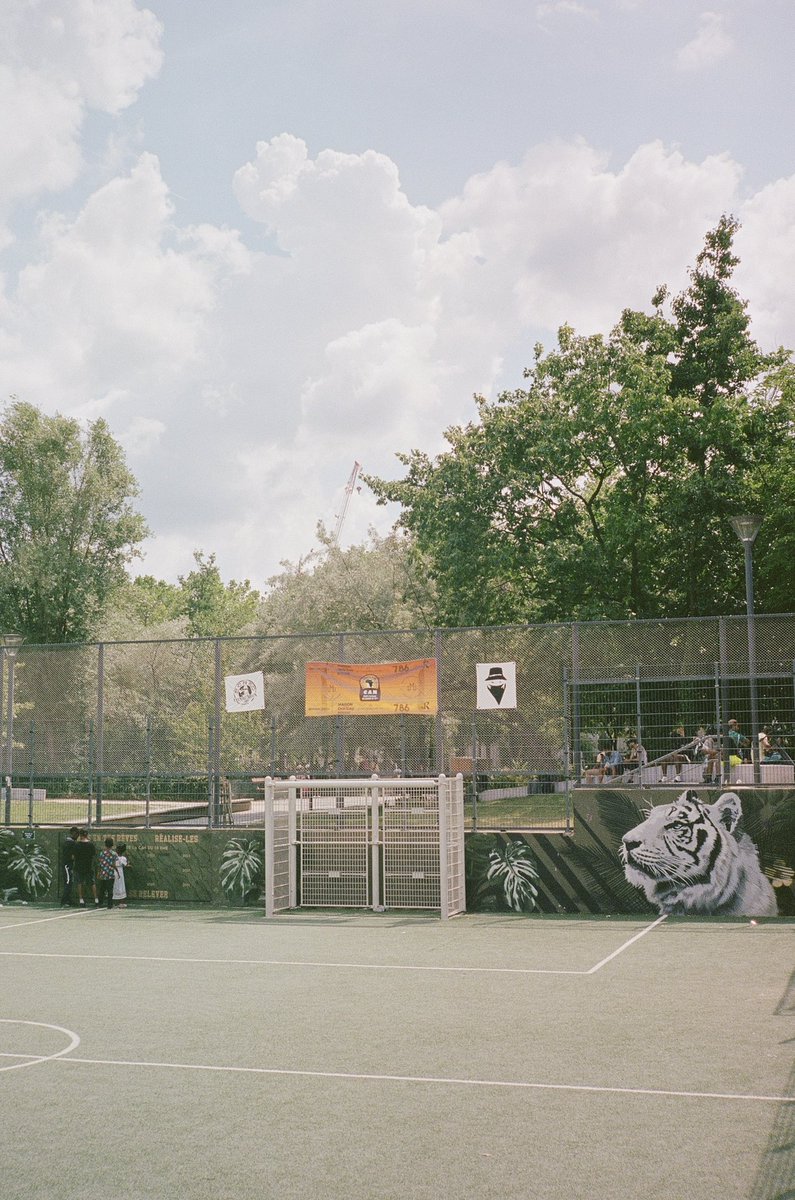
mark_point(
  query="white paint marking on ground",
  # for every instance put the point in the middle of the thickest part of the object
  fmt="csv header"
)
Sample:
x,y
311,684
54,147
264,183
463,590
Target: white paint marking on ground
x,y
34,1059
626,945
78,912
279,962
434,1079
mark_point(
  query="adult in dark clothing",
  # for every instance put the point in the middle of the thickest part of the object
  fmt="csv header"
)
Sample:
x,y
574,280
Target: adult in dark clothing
x,y
68,894
85,852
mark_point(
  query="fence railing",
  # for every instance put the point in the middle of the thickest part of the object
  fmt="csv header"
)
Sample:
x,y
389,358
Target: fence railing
x,y
138,732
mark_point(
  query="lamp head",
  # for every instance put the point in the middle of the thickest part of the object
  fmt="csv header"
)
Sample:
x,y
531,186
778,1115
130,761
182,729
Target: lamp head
x,y
11,643
746,527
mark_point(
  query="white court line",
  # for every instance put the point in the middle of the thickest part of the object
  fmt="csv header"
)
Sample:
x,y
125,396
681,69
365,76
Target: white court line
x,y
347,966
79,912
35,1059
435,1079
626,945
304,963
282,962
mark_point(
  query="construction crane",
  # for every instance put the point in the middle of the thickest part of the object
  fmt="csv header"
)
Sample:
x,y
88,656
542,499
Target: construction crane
x,y
349,489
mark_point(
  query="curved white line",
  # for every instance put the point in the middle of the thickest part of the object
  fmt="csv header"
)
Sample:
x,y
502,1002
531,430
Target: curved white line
x,y
33,1061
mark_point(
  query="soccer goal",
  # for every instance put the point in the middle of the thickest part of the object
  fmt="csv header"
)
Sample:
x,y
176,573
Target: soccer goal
x,y
365,843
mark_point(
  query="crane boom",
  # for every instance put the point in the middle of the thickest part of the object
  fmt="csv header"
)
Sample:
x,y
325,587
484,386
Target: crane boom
x,y
349,487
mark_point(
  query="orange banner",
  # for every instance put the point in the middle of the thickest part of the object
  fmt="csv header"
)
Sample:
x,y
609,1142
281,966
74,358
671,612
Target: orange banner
x,y
361,689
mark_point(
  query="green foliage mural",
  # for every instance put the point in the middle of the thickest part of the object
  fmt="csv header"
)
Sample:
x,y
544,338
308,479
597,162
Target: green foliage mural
x,y
501,873
242,870
25,869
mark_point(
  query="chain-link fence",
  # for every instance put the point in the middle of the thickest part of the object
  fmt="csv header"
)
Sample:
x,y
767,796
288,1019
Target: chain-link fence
x,y
137,732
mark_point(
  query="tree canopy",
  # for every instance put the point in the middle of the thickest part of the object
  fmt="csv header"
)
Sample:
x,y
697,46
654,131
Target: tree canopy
x,y
67,523
370,586
603,488
200,604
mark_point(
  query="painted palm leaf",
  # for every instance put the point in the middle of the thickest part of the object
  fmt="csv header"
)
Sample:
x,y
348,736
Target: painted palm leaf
x,y
30,866
241,868
512,867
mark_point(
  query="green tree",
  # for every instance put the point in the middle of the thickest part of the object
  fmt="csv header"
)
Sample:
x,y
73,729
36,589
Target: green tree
x,y
603,488
213,608
67,523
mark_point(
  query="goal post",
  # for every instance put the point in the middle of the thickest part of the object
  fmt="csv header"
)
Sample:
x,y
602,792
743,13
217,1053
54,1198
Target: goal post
x,y
365,843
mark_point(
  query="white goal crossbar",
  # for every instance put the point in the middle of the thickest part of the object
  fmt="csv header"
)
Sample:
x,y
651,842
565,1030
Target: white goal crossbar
x,y
365,843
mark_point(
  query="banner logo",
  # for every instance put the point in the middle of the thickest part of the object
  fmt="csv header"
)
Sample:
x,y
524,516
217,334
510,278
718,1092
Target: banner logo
x,y
369,688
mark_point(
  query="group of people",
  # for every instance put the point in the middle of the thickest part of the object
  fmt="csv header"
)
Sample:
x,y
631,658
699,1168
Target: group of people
x,y
100,875
704,747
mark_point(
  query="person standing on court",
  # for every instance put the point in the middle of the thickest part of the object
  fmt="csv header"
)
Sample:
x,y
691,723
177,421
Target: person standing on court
x,y
85,852
68,893
120,887
106,872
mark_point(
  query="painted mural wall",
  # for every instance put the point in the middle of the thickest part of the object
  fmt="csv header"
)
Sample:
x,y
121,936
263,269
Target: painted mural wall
x,y
216,867
699,853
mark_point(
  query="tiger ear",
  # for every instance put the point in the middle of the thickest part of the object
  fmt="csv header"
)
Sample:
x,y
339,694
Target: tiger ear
x,y
728,810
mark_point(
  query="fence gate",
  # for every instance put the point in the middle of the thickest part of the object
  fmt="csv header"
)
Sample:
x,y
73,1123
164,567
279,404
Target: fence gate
x,y
352,843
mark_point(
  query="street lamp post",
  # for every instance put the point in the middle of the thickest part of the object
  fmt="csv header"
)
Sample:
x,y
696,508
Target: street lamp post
x,y
11,644
747,527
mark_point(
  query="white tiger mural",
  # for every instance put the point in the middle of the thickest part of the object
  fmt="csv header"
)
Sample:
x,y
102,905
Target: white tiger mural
x,y
688,857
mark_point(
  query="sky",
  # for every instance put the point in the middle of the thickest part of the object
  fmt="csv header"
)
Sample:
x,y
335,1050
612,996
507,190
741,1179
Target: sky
x,y
266,239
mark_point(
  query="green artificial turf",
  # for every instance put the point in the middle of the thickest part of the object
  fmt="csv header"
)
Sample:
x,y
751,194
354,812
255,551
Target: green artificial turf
x,y
329,1055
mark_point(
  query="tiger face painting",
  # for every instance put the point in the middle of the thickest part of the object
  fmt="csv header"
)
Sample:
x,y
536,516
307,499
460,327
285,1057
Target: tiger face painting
x,y
688,857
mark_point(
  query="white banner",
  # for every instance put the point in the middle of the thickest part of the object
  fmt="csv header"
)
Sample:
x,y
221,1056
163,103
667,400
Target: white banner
x,y
245,693
496,685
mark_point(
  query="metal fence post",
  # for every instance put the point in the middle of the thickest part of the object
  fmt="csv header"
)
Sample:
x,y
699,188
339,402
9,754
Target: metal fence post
x,y
210,761
567,763
90,765
31,740
339,722
475,748
216,764
438,726
148,768
575,707
724,699
7,794
100,746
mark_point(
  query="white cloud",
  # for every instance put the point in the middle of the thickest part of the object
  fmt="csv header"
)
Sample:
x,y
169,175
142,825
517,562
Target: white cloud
x,y
766,248
711,45
143,435
562,237
60,59
563,8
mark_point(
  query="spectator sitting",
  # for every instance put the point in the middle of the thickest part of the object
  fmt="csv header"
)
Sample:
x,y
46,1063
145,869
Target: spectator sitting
x,y
710,748
594,774
636,755
679,748
614,763
768,752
